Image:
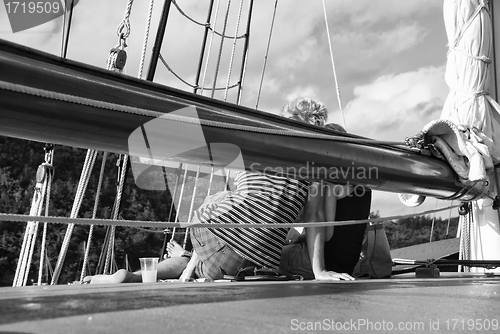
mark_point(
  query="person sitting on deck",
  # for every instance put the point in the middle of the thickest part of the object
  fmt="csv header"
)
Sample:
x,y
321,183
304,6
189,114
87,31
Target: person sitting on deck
x,y
319,253
258,199
344,247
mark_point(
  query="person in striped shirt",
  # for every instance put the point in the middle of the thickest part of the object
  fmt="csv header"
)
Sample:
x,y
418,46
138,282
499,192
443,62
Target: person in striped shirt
x,y
258,199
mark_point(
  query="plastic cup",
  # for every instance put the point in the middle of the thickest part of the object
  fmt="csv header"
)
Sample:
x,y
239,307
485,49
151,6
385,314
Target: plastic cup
x,y
149,269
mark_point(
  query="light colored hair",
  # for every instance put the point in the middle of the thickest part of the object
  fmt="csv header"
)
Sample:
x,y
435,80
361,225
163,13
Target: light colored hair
x,y
306,110
335,126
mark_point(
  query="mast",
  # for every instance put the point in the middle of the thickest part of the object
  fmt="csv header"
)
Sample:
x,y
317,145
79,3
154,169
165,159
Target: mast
x,y
158,40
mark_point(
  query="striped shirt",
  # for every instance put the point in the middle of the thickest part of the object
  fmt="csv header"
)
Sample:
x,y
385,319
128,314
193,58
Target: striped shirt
x,y
258,199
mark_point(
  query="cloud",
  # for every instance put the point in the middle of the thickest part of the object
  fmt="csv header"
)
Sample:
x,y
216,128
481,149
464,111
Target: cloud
x,y
303,91
304,52
368,12
393,107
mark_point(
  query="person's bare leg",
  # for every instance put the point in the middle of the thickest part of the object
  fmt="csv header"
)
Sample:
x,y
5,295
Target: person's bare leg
x,y
121,276
170,268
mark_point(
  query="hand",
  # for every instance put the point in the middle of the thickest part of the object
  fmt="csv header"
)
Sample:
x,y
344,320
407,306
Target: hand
x,y
332,276
186,276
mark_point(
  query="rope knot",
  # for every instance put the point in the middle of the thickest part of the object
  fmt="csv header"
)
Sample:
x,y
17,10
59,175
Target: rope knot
x,y
417,141
485,59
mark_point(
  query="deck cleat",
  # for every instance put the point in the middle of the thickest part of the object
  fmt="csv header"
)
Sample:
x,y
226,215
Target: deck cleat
x,y
427,272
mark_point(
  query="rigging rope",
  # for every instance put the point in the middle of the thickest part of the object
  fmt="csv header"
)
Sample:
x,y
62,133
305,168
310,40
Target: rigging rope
x,y
116,209
146,37
212,171
177,177
207,25
158,224
231,60
66,28
245,54
193,197
50,177
217,66
433,220
333,66
267,54
123,29
82,186
180,201
94,213
466,221
28,252
29,239
210,48
164,62
449,219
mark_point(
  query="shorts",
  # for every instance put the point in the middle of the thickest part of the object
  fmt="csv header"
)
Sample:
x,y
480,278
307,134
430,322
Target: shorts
x,y
295,260
216,257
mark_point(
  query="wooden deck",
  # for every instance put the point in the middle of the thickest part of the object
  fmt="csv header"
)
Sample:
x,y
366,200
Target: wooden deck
x,y
255,307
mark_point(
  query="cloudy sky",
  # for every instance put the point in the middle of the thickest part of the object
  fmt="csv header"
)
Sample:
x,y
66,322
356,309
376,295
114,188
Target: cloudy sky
x,y
389,56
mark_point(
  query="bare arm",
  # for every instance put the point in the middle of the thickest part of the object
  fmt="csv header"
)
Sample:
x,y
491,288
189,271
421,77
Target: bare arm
x,y
188,272
330,209
332,193
315,236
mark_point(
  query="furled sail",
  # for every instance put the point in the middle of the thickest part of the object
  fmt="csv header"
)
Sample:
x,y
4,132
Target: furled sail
x,y
470,76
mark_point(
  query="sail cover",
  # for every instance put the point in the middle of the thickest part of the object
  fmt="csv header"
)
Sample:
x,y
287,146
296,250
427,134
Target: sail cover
x,y
470,77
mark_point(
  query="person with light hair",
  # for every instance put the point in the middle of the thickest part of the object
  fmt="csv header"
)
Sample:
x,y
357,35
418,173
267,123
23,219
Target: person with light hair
x,y
315,253
306,110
